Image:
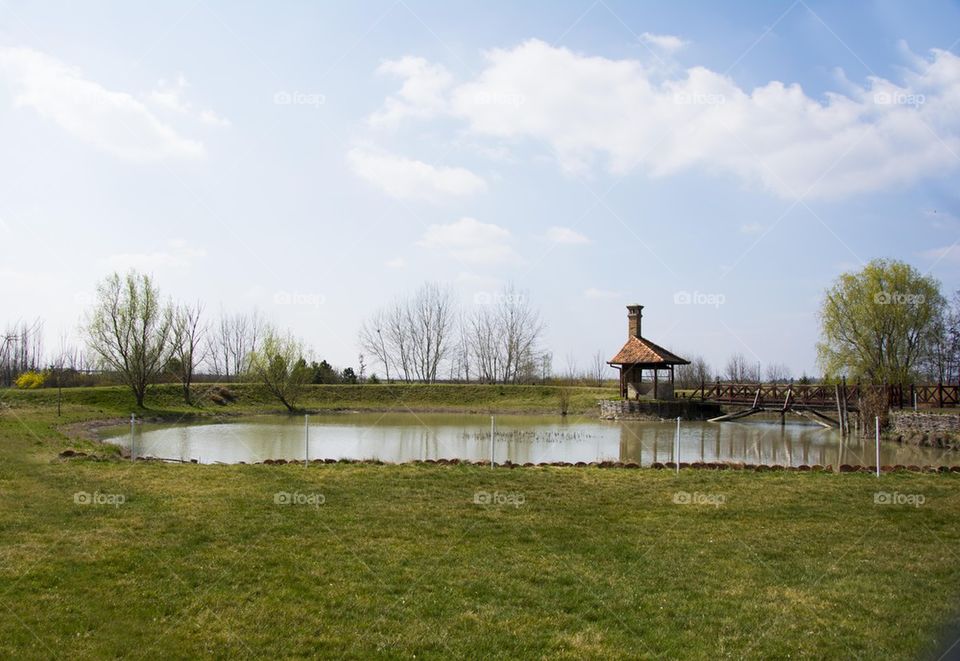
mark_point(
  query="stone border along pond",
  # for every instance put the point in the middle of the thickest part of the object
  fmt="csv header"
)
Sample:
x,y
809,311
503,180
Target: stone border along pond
x,y
817,468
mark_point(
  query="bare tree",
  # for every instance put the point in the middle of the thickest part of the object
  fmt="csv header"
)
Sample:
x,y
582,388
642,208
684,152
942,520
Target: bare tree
x,y
58,367
546,366
429,317
232,340
941,363
504,337
599,367
131,330
21,350
413,335
693,375
188,333
778,373
737,369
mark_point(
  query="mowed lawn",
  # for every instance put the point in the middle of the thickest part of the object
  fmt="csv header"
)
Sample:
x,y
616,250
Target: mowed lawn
x,y
402,562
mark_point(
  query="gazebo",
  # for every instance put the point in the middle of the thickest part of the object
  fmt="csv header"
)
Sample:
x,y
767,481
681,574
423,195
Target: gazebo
x,y
639,355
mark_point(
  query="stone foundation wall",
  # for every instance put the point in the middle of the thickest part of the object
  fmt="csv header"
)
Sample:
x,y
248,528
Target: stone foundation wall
x,y
615,409
926,429
911,421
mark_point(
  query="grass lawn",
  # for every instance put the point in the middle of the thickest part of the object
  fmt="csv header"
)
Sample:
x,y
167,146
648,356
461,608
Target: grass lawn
x,y
401,562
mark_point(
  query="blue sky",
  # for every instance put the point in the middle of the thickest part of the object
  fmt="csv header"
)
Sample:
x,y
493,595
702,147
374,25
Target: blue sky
x,y
317,161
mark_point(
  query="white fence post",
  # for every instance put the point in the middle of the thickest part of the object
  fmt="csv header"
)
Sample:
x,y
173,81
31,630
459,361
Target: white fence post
x,y
676,445
878,446
492,448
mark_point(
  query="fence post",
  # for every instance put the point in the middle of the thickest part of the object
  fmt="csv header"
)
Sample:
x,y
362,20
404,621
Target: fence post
x,y
940,394
492,449
676,445
878,446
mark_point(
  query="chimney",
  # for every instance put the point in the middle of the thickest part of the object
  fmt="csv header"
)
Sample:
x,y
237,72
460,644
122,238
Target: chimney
x,y
634,317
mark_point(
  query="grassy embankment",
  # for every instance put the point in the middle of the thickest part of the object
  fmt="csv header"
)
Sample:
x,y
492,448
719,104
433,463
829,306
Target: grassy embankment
x,y
251,399
399,560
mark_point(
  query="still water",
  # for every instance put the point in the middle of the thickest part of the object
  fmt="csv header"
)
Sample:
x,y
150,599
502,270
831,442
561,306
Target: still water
x,y
402,437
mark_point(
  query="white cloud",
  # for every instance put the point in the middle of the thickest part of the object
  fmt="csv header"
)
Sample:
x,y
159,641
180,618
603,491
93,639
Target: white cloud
x,y
115,122
170,96
409,179
751,228
625,116
667,43
395,263
470,241
602,294
566,235
213,119
177,255
422,95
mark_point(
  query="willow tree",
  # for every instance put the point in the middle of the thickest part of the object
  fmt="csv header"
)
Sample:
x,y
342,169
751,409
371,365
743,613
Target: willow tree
x,y
279,364
879,323
131,330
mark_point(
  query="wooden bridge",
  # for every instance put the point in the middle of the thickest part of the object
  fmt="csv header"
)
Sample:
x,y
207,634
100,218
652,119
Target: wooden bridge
x,y
813,401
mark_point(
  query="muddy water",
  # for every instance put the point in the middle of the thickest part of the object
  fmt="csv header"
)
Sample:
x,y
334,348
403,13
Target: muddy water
x,y
407,437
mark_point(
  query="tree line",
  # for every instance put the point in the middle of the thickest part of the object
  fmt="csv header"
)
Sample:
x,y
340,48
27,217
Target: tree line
x,y
886,323
426,338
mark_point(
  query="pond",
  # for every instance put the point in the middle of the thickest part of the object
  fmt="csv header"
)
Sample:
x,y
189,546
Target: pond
x,y
403,437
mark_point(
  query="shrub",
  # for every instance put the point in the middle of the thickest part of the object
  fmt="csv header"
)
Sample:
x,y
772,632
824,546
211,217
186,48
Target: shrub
x,y
31,379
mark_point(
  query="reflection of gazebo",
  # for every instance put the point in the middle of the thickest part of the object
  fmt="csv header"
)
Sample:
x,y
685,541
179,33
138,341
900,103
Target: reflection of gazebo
x,y
640,354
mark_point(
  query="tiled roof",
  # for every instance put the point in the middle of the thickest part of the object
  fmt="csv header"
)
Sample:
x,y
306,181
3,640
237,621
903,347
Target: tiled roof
x,y
640,350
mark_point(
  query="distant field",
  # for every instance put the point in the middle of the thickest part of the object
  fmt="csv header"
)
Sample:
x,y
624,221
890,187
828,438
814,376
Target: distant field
x,y
187,561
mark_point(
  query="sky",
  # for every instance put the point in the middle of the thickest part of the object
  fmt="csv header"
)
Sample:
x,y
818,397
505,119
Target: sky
x,y
718,164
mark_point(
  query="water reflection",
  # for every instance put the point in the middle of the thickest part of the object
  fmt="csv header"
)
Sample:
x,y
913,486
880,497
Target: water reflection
x,y
521,439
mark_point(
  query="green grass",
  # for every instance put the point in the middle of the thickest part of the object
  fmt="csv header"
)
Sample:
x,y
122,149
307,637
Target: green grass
x,y
400,562
250,398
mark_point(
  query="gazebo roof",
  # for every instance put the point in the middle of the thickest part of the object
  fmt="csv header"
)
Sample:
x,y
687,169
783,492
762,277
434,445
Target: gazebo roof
x,y
640,351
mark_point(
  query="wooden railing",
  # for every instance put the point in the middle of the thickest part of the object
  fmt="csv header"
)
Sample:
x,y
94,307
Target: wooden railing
x,y
937,395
